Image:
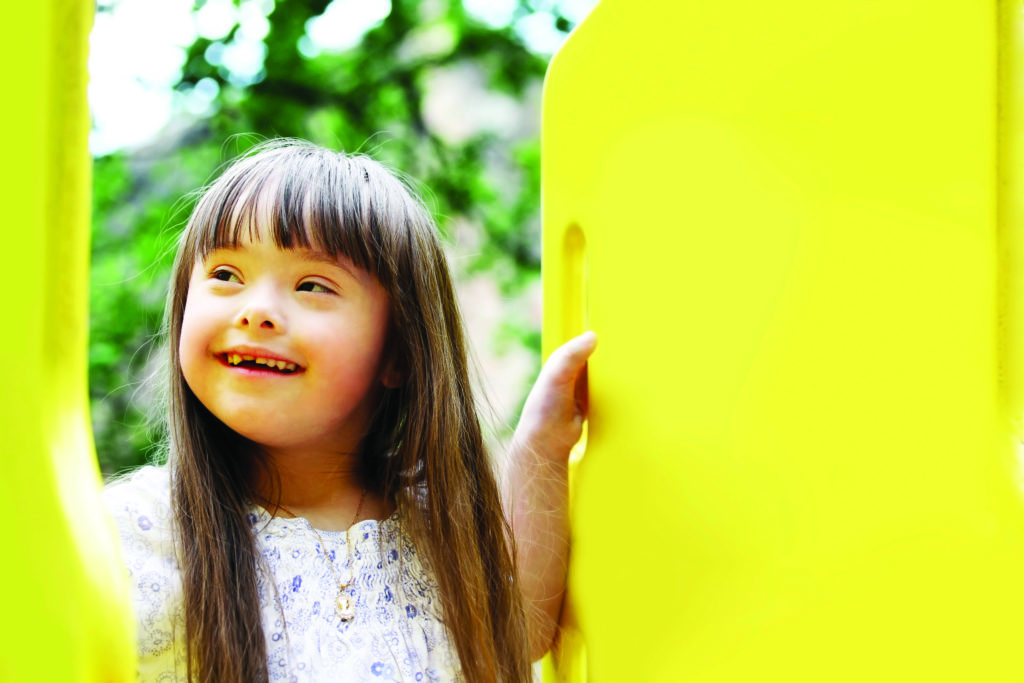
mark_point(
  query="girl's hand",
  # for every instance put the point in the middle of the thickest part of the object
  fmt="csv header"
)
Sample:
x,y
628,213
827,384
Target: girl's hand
x,y
537,484
553,415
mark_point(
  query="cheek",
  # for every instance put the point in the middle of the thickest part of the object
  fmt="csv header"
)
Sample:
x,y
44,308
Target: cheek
x,y
185,360
353,356
191,344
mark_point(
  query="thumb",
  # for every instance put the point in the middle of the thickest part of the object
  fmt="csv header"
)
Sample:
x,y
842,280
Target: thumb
x,y
564,365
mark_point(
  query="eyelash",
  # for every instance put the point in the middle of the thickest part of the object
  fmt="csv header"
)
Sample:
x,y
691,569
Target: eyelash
x,y
327,290
217,274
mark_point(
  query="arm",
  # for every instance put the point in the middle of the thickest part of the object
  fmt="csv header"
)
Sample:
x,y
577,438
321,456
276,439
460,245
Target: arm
x,y
536,484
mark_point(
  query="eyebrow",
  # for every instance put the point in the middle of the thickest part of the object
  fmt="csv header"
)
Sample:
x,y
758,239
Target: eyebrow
x,y
317,257
313,256
322,257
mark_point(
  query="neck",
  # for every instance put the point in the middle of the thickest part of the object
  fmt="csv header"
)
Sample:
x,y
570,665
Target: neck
x,y
325,488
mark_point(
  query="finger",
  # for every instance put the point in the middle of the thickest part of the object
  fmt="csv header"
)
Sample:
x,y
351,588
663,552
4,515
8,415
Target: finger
x,y
583,345
567,361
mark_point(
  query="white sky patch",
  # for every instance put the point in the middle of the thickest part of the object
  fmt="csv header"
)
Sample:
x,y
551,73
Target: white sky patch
x,y
539,33
201,100
138,50
533,30
494,13
216,18
342,25
576,10
244,61
252,20
243,56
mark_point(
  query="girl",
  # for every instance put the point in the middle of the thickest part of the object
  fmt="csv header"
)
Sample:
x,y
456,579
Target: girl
x,y
328,511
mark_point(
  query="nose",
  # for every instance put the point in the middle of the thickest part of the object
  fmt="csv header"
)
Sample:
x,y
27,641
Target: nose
x,y
260,312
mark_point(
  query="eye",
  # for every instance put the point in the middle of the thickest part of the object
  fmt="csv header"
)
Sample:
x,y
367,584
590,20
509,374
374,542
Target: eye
x,y
315,287
224,275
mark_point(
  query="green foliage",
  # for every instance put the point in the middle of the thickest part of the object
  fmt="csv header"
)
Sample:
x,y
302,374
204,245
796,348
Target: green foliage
x,y
371,98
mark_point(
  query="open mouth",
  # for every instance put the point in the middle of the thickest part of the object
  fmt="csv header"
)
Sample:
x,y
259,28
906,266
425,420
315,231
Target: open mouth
x,y
280,367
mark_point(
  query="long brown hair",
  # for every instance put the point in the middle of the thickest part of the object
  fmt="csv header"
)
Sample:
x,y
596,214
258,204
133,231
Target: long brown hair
x,y
424,451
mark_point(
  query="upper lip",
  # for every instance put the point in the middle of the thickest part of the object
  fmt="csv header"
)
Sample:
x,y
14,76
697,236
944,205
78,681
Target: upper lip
x,y
257,352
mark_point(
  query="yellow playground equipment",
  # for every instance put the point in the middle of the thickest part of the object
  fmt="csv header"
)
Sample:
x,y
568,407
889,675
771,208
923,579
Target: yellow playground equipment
x,y
66,610
796,228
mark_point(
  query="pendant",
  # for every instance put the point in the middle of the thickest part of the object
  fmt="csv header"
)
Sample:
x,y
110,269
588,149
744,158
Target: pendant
x,y
346,607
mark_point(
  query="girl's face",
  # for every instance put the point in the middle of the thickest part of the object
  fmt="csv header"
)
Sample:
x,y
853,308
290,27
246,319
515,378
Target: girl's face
x,y
254,309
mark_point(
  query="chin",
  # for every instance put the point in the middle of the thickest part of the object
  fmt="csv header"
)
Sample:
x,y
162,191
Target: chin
x,y
264,432
269,438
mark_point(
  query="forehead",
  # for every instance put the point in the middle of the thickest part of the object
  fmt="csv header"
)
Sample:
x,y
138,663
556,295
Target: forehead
x,y
265,214
261,245
331,218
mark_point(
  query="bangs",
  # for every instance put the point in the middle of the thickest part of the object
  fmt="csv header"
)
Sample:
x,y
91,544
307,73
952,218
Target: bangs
x,y
315,199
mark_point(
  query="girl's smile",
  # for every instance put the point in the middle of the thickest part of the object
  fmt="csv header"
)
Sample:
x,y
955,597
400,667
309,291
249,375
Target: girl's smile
x,y
285,346
259,361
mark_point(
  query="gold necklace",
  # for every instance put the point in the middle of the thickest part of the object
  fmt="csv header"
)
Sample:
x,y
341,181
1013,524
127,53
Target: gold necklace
x,y
346,604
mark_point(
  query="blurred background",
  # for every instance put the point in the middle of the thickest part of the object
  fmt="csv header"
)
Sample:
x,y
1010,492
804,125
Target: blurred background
x,y
445,91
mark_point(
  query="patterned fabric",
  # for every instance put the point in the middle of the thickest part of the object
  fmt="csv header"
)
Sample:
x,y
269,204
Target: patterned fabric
x,y
396,635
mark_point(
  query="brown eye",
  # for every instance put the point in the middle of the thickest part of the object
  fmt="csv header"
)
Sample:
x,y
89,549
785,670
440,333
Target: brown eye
x,y
315,287
224,275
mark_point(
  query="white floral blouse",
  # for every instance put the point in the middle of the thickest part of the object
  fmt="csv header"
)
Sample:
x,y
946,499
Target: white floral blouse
x,y
396,634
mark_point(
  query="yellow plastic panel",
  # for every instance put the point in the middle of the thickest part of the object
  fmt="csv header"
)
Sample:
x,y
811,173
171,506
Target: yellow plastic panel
x,y
66,614
795,227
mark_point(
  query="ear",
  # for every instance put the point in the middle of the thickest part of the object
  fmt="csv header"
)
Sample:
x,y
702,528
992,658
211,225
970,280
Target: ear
x,y
392,376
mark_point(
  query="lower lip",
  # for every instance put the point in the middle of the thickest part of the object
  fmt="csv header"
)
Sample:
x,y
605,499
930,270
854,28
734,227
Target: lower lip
x,y
254,372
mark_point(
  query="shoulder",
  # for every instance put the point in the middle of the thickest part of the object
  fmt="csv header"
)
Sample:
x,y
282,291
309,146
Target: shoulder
x,y
146,490
140,505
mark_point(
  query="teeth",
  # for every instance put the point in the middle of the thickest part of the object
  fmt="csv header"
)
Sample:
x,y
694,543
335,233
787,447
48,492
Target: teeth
x,y
235,359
